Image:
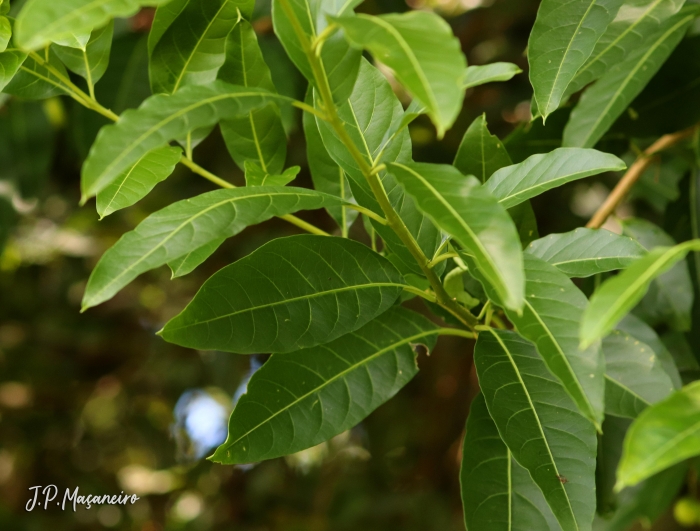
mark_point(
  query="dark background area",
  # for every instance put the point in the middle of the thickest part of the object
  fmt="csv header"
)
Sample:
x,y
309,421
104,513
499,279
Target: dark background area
x,y
88,400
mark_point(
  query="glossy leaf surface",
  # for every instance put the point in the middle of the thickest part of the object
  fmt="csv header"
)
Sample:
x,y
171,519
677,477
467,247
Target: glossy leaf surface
x,y
159,120
540,425
462,208
297,292
186,226
585,252
618,295
539,173
298,400
663,435
553,310
138,180
497,493
423,53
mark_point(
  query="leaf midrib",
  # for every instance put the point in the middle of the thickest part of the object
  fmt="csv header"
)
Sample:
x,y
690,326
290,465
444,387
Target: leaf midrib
x,y
187,222
341,374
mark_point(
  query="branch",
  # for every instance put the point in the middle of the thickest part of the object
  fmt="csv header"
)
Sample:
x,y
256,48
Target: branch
x,y
634,173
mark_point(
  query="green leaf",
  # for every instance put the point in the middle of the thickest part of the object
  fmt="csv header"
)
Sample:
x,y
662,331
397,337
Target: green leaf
x,y
189,262
10,63
562,39
480,75
637,328
256,176
163,18
4,7
260,135
186,226
299,292
90,62
605,101
78,41
635,20
34,81
671,295
662,436
586,252
193,47
380,139
497,493
138,180
540,425
326,174
618,295
525,221
464,209
423,53
340,61
480,153
299,400
553,310
159,120
634,377
5,33
41,22
539,173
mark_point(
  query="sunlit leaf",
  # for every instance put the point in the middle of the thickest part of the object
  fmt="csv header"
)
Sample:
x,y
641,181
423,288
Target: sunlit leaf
x,y
90,63
480,75
138,180
188,225
553,310
585,252
618,295
423,53
539,173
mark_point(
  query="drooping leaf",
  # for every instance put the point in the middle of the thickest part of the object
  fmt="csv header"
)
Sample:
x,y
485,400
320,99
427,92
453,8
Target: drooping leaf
x,y
10,62
380,140
635,20
193,47
186,226
260,135
41,22
189,262
586,252
138,180
256,176
638,329
160,119
618,295
540,425
326,174
5,33
605,101
423,53
480,153
163,18
663,435
33,80
298,400
553,310
634,377
670,297
340,61
90,62
562,39
539,173
298,292
497,493
480,75
465,210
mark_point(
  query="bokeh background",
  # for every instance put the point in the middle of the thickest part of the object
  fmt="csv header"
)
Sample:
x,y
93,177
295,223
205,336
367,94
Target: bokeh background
x,y
98,401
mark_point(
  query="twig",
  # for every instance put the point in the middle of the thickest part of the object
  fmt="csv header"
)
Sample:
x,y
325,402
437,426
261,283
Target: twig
x,y
633,174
